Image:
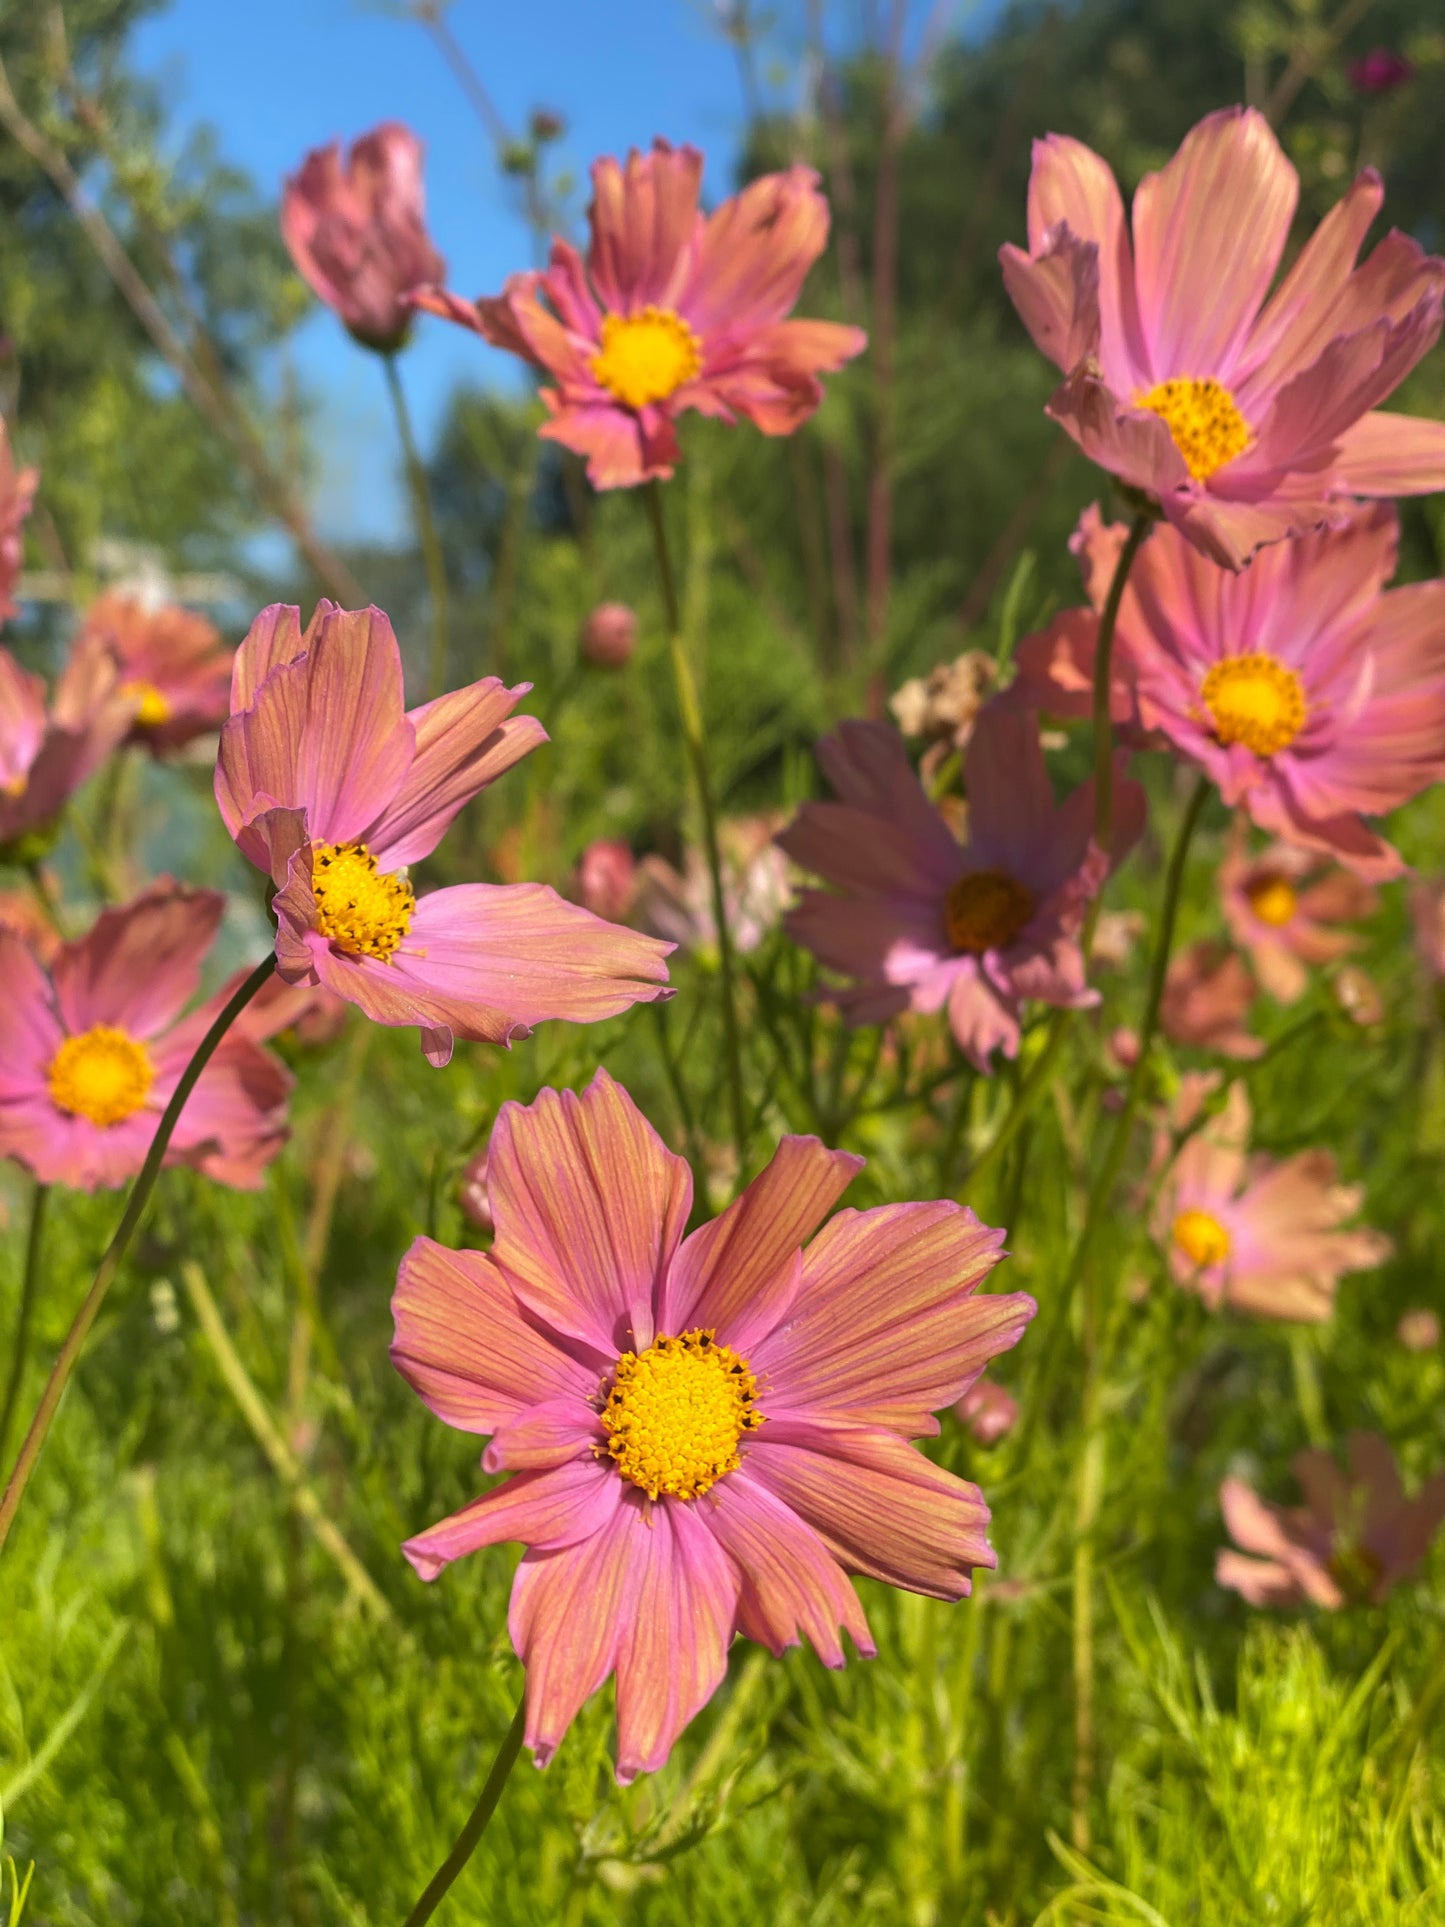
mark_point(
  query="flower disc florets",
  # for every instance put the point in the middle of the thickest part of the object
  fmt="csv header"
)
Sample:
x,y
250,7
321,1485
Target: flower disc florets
x,y
102,1074
646,357
363,910
1256,701
986,910
1201,1237
675,1413
1202,417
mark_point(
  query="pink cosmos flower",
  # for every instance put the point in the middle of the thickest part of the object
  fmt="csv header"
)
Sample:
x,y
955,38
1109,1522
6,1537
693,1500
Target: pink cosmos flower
x,y
1309,693
357,233
1286,913
332,787
1355,1537
607,879
707,1433
1258,1234
48,749
1207,994
1245,418
173,667
92,1048
677,904
920,921
17,496
22,917
671,310
313,1014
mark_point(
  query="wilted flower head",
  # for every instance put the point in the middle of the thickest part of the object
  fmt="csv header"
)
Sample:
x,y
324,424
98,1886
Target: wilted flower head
x,y
17,496
607,879
1258,1234
173,667
1355,1537
92,1049
357,232
332,787
756,891
49,748
1284,906
609,635
671,310
942,706
1380,71
1246,417
922,922
707,1433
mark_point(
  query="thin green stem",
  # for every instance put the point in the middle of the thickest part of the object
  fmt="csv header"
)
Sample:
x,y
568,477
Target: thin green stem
x,y
50,910
476,1825
1029,1092
69,1356
431,548
38,1199
696,742
1103,689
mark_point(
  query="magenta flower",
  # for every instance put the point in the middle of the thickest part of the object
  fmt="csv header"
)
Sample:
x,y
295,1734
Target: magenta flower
x,y
707,1433
671,310
17,496
332,787
92,1048
357,233
1245,417
920,922
173,667
48,749
1351,1542
1380,71
1285,908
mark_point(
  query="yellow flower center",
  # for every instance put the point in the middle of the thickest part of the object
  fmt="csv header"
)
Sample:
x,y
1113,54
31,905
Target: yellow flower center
x,y
675,1414
102,1074
986,910
1201,1237
363,910
1256,701
1207,427
15,785
646,357
1272,900
151,707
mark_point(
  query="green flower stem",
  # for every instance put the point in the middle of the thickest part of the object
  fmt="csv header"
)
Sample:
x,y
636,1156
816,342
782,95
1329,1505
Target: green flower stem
x,y
696,742
1103,725
476,1825
69,1356
431,547
50,910
38,1199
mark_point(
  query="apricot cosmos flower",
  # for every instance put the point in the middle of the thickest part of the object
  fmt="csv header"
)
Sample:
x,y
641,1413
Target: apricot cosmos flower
x,y
1245,417
707,1433
92,1048
332,787
1286,908
50,746
173,667
921,922
671,310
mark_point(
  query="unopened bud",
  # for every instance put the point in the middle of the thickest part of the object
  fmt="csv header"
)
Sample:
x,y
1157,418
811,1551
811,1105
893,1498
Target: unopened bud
x,y
609,635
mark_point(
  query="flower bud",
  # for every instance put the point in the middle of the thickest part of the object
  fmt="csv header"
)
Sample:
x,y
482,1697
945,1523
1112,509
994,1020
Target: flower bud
x,y
607,879
609,635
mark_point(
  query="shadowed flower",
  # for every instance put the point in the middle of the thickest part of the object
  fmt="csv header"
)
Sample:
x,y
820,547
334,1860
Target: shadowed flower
x,y
988,1410
357,233
672,310
17,495
756,891
1380,71
312,1013
91,1050
1247,417
1285,912
47,750
1351,1542
173,667
707,1433
332,787
1257,1234
609,635
922,922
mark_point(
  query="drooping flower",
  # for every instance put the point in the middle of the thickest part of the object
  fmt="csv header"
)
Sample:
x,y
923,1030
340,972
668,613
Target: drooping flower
x,y
706,1433
944,705
609,635
92,1048
49,748
677,904
1245,417
357,232
922,922
173,667
671,310
1351,1542
1259,1234
332,787
1285,908
17,496
1311,695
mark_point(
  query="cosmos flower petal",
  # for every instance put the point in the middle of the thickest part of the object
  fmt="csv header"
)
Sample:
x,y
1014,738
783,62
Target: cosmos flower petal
x,y
30,1030
1056,292
1070,186
464,741
1385,454
138,967
547,1434
274,638
792,1585
566,1505
644,218
753,254
1261,1582
234,1121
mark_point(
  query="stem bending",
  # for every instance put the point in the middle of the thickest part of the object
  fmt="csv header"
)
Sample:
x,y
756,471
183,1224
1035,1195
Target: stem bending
x,y
476,1826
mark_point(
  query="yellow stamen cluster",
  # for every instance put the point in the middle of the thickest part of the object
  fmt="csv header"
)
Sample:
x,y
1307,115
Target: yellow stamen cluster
x,y
102,1074
1201,1237
1273,900
151,707
986,910
675,1412
363,910
646,357
1207,426
1254,700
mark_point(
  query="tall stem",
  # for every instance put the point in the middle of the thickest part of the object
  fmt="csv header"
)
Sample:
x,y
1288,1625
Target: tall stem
x,y
426,527
28,1283
477,1820
696,742
115,1251
1103,679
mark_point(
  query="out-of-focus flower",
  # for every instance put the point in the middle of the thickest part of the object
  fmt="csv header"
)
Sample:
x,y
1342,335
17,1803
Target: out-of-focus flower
x,y
332,787
1427,914
671,310
17,496
988,1410
357,232
921,922
756,890
1311,695
92,1049
48,750
1245,419
707,1433
1358,996
23,917
607,879
1380,71
1355,1537
313,1014
1419,1330
173,667
1257,1234
1285,913
1116,934
473,1194
941,706
609,635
